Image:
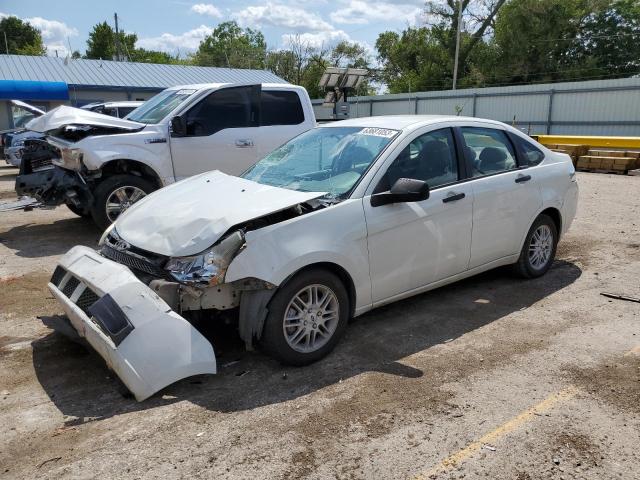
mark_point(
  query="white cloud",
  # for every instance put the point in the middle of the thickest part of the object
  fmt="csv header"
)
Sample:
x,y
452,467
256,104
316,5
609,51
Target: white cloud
x,y
168,42
283,16
360,12
54,33
206,9
326,39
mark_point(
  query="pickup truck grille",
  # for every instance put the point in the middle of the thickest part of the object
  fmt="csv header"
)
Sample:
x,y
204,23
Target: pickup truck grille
x,y
39,164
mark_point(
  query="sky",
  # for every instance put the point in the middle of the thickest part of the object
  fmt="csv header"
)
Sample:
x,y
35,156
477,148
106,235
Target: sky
x,y
177,26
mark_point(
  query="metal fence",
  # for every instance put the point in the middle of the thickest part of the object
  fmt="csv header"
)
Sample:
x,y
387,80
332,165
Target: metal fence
x,y
598,107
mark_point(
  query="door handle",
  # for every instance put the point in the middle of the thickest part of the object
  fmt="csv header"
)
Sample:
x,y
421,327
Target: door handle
x,y
244,143
453,198
523,178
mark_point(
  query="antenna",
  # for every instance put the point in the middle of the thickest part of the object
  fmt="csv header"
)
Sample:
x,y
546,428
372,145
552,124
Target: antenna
x,y
115,16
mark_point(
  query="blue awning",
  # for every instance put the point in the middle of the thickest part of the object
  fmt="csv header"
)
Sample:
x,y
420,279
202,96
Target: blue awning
x,y
29,90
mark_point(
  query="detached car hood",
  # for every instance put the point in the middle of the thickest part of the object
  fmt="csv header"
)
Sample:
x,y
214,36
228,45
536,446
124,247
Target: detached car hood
x,y
190,216
63,115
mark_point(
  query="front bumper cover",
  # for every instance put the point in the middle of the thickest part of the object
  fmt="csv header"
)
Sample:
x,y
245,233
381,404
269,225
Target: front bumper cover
x,y
148,345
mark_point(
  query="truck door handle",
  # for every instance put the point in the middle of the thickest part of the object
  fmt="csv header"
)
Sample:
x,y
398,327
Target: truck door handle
x,y
244,143
453,198
523,178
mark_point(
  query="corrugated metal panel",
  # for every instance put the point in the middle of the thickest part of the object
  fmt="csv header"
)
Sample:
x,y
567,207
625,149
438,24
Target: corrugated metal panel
x,y
616,105
523,107
598,107
102,73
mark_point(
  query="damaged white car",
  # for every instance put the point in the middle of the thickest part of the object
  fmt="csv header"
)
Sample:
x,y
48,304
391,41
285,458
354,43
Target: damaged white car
x,y
342,219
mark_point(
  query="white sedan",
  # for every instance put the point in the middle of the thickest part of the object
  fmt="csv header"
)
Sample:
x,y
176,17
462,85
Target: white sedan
x,y
340,220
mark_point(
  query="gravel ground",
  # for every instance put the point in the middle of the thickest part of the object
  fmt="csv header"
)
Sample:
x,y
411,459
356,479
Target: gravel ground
x,y
493,377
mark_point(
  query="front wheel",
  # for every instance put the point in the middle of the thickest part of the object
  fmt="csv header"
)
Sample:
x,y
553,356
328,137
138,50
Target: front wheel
x,y
306,318
115,194
539,248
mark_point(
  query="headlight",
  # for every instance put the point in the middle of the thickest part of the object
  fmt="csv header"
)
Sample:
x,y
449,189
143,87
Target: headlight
x,y
18,143
209,267
70,158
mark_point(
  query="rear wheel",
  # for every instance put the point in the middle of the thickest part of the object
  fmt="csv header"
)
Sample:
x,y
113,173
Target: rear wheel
x,y
115,194
307,317
539,249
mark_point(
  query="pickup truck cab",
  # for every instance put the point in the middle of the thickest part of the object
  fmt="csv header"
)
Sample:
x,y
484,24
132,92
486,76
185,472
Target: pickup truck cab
x,y
102,165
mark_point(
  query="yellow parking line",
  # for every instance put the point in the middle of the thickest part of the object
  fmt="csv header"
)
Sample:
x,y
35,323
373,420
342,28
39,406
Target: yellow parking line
x,y
491,437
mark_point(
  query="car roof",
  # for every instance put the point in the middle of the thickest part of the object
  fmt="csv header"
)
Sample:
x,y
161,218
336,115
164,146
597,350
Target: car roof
x,y
403,122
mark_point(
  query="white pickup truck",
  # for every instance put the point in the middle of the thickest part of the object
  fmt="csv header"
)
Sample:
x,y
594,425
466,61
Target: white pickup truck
x,y
99,165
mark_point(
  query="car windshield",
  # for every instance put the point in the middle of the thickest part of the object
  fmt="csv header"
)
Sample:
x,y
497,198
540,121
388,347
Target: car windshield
x,y
158,107
325,159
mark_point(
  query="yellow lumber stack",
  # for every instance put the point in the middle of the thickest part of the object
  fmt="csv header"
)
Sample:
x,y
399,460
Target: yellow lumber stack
x,y
574,151
616,161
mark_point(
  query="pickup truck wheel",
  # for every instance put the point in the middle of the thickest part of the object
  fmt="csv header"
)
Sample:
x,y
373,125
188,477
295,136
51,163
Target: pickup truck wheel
x,y
539,248
115,194
306,318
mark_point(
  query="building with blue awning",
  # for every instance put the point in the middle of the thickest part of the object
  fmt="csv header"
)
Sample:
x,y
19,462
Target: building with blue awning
x,y
46,82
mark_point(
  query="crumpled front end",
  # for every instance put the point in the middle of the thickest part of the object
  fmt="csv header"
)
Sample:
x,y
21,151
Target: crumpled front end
x,y
146,343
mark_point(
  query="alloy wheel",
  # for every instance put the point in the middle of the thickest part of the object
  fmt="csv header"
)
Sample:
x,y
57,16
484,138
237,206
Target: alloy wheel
x,y
121,199
540,247
311,318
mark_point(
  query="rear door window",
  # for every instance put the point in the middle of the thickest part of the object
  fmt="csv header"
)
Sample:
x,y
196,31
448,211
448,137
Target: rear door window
x,y
280,108
489,151
226,108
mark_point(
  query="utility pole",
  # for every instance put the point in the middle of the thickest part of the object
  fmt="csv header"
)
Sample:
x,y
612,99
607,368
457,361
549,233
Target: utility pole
x,y
6,44
115,16
459,27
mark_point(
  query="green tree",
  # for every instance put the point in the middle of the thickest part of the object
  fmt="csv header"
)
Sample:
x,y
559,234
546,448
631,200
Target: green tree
x,y
412,61
229,45
153,56
22,37
102,43
556,40
610,40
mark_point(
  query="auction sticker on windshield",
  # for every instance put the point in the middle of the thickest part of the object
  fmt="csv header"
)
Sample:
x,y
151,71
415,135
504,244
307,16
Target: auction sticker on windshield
x,y
378,132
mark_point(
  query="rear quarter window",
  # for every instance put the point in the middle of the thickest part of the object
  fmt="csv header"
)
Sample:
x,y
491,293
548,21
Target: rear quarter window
x,y
529,153
280,108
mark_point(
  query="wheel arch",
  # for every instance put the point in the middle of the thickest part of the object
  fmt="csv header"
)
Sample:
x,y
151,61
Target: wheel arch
x,y
555,215
338,271
254,305
131,167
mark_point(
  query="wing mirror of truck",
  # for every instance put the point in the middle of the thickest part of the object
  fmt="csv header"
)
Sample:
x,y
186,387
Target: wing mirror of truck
x,y
178,126
404,190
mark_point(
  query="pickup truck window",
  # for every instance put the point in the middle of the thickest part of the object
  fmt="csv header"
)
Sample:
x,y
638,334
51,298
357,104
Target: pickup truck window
x,y
226,108
160,106
279,107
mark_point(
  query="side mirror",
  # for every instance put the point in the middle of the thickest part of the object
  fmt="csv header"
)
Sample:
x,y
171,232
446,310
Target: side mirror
x,y
404,190
178,127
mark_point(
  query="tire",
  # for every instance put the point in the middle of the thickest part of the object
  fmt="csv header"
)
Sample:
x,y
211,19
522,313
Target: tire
x,y
133,187
277,340
529,265
81,212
